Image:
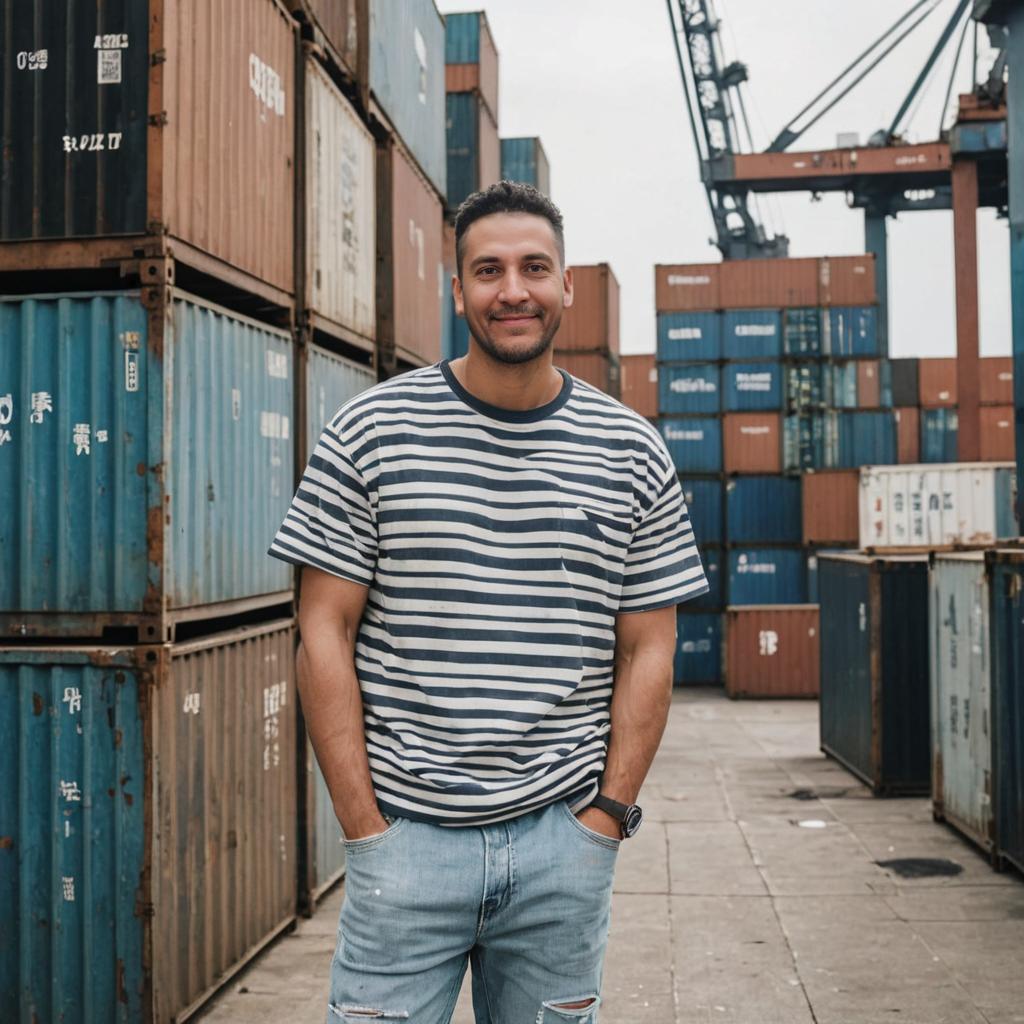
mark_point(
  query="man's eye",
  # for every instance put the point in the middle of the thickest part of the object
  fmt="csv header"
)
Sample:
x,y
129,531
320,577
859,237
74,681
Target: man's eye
x,y
538,268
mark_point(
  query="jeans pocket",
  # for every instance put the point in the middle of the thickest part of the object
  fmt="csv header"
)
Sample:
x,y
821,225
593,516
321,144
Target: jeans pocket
x,y
597,838
370,842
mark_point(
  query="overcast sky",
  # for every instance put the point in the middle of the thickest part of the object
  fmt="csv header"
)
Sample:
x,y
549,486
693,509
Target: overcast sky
x,y
597,80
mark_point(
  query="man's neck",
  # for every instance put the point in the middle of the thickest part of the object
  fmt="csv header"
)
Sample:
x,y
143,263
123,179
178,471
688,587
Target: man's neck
x,y
517,388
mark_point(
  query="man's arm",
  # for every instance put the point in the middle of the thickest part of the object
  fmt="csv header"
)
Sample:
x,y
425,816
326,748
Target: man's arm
x,y
330,610
642,695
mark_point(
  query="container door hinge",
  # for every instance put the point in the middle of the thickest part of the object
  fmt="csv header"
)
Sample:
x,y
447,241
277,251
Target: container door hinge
x,y
1013,586
158,120
158,57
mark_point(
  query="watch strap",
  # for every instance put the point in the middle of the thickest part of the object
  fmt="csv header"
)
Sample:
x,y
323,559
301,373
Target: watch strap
x,y
610,806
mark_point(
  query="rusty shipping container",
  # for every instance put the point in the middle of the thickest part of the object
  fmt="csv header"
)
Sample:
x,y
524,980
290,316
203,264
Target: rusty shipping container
x,y
831,507
410,261
471,57
755,284
847,281
597,368
869,384
752,442
996,386
997,434
116,124
908,435
149,825
685,288
772,651
340,208
638,381
937,383
592,321
341,26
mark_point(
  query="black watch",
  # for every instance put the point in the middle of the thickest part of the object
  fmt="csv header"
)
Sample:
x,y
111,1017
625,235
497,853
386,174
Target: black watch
x,y
629,816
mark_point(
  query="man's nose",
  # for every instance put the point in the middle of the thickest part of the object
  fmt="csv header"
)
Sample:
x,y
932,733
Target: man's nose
x,y
513,289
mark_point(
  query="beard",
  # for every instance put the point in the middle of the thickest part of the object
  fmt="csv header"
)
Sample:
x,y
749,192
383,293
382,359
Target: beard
x,y
516,356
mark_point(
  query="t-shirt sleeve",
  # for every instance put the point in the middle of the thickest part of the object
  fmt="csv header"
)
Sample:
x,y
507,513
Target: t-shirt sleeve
x,y
330,523
663,566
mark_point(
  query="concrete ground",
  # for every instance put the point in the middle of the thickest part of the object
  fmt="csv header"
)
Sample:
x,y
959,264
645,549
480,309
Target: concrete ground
x,y
729,909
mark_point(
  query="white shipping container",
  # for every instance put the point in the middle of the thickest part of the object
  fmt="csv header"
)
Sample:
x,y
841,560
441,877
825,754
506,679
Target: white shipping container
x,y
937,505
340,211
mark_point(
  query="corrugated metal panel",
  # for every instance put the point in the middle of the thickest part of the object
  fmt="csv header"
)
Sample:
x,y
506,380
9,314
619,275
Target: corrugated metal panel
x,y
842,384
847,280
772,651
747,284
462,134
704,501
864,438
874,669
173,473
752,386
524,159
593,367
767,576
801,331
592,321
151,829
905,381
468,40
763,510
341,207
338,20
698,658
490,148
689,388
937,383
695,443
803,442
940,429
831,507
752,442
804,386
997,433
330,382
328,840
996,387
935,506
686,288
639,382
960,673
869,384
752,334
850,331
908,435
689,336
407,77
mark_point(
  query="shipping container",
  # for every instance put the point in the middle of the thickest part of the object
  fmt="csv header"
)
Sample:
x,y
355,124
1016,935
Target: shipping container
x,y
330,382
996,385
689,336
752,334
407,79
695,443
847,280
997,434
937,383
803,442
760,575
751,387
870,391
763,510
940,434
752,442
340,229
801,331
474,151
471,58
831,507
805,386
842,379
186,118
874,703
934,506
410,262
772,651
1007,623
850,331
714,599
592,321
698,658
704,500
960,673
341,26
839,440
131,418
687,288
689,388
749,284
148,821
596,368
905,382
908,434
524,159
638,379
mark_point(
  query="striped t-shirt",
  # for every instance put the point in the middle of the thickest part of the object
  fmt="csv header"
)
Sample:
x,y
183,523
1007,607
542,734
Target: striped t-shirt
x,y
498,547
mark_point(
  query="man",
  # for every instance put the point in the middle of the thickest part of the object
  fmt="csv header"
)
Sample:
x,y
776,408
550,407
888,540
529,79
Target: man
x,y
494,552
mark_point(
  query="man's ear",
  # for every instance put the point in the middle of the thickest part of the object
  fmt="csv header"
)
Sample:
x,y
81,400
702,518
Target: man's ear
x,y
460,304
567,287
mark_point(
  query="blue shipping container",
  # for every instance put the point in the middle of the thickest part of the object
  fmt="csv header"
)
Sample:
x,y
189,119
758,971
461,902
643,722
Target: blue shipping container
x,y
752,387
764,510
752,334
801,331
804,386
851,331
803,442
940,435
689,388
462,38
330,382
524,159
698,660
464,138
767,576
865,439
695,443
689,336
842,385
704,502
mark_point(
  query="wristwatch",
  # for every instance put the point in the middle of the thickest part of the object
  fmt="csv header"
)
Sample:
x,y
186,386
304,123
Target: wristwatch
x,y
629,816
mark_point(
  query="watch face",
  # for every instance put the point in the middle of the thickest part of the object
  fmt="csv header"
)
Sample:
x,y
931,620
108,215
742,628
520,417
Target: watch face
x,y
631,822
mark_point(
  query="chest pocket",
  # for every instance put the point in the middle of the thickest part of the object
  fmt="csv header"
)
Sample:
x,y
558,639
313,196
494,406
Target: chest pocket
x,y
599,529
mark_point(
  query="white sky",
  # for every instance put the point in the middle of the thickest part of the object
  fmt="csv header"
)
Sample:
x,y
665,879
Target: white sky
x,y
597,80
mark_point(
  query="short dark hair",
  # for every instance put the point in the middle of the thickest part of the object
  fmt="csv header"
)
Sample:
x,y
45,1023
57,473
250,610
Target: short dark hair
x,y
506,197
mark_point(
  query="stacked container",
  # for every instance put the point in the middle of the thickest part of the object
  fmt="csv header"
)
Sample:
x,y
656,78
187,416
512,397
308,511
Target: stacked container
x,y
523,159
996,394
587,342
638,384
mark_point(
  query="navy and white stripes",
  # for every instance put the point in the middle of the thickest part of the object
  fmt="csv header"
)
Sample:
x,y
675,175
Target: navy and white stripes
x,y
498,548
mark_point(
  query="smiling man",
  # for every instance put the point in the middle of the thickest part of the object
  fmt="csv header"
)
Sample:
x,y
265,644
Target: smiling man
x,y
493,554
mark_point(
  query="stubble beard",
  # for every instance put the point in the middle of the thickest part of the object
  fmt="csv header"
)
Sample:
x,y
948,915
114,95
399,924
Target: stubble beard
x,y
514,357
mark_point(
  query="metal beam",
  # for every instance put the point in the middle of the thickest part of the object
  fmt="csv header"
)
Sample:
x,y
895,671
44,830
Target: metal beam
x,y
876,241
965,255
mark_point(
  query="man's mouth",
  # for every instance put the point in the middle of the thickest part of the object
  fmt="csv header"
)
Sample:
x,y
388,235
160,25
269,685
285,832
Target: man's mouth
x,y
515,318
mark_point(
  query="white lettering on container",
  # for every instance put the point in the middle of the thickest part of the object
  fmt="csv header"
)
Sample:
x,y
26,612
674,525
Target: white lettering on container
x,y
693,385
32,60
688,279
768,643
420,45
683,435
755,330
42,402
81,437
266,84
277,365
275,697
191,704
70,792
753,381
6,414
131,371
755,431
67,883
108,67
236,404
696,647
685,334
274,425
73,698
95,143
115,41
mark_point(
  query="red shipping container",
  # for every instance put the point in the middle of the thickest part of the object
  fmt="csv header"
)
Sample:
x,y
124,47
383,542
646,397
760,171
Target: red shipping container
x,y
686,288
831,507
772,651
847,281
752,442
592,321
638,379
908,435
869,387
756,284
996,381
937,383
595,368
997,434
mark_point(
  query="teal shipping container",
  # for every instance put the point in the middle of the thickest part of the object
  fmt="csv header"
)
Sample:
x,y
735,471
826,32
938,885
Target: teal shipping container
x,y
752,387
689,389
694,442
689,337
698,659
330,381
524,159
804,386
940,435
752,334
147,458
474,150
764,510
704,503
842,385
760,575
148,822
839,440
850,331
801,331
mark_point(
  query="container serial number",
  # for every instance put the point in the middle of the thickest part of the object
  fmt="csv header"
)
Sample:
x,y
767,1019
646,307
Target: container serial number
x,y
111,42
92,143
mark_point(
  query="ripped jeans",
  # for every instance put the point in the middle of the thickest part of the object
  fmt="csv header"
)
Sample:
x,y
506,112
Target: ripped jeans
x,y
525,902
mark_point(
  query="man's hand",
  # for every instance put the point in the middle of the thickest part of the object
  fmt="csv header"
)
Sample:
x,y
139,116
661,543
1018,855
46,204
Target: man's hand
x,y
372,825
600,821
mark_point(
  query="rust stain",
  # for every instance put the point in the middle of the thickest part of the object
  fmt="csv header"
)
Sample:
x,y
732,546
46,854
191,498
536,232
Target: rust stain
x,y
37,703
141,469
110,792
129,799
118,736
122,992
6,843
152,601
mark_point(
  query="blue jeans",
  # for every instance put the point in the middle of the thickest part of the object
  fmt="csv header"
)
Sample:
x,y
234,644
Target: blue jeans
x,y
526,902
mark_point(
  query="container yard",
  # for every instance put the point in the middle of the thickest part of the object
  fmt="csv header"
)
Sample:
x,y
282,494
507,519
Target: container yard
x,y
222,223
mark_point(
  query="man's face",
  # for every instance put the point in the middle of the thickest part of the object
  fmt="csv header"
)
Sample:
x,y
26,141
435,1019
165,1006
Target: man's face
x,y
512,289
